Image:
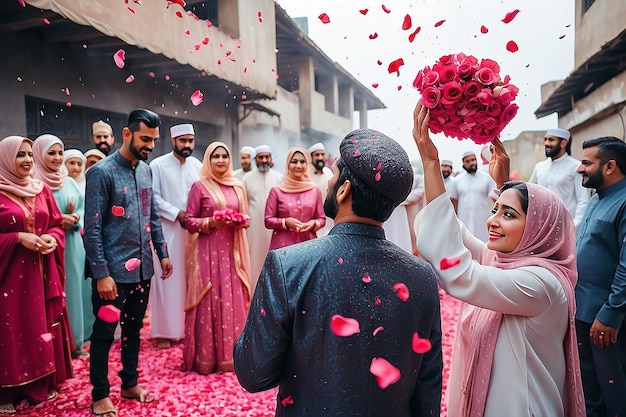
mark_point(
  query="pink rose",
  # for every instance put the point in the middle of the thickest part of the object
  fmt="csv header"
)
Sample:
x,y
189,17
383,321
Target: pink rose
x,y
430,79
473,105
486,76
431,97
485,96
446,59
435,125
466,70
417,83
472,88
492,65
493,109
508,113
451,92
446,73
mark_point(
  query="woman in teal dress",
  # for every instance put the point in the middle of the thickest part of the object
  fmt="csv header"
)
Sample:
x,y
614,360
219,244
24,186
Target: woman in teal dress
x,y
48,155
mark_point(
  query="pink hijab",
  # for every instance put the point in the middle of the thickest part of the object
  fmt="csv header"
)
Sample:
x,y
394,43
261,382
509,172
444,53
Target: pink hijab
x,y
293,185
548,241
9,180
54,179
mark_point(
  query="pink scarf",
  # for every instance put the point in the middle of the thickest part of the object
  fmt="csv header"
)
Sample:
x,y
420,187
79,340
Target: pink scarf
x,y
9,180
54,179
548,241
291,184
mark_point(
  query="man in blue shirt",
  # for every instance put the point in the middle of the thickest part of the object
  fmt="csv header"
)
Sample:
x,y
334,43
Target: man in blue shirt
x,y
601,287
121,223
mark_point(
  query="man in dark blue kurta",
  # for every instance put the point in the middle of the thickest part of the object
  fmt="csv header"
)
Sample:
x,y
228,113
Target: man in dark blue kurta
x,y
601,287
340,323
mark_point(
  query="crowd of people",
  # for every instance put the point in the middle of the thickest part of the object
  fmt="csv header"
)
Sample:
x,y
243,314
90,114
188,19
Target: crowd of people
x,y
289,278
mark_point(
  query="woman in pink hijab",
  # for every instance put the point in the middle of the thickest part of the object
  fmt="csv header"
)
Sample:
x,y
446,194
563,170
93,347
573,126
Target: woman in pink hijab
x,y
34,331
294,210
515,351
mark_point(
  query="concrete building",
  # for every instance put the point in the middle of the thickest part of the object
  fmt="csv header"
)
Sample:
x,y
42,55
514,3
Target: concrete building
x,y
262,78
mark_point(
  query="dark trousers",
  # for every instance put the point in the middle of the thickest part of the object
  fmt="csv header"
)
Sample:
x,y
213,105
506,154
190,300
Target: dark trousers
x,y
132,301
603,373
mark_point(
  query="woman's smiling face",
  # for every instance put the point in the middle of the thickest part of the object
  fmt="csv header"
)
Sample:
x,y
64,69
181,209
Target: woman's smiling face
x,y
507,222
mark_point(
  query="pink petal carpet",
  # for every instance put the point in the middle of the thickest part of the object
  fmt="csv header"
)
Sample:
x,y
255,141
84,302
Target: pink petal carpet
x,y
189,394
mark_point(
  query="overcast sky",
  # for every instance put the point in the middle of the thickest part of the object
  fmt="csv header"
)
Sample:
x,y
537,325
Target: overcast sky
x,y
543,30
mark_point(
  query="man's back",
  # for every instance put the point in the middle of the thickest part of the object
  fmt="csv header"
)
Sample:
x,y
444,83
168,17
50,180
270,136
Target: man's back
x,y
352,273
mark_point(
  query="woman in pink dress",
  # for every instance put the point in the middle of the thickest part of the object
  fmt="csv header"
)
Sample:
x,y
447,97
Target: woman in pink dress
x,y
294,209
218,266
35,336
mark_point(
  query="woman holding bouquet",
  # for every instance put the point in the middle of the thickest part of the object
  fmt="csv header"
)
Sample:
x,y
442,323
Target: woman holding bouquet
x,y
515,352
218,265
294,209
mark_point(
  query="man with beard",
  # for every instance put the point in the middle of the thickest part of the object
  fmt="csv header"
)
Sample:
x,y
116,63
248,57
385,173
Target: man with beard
x,y
122,228
601,287
558,173
246,154
320,174
337,322
447,171
473,195
102,136
173,174
258,184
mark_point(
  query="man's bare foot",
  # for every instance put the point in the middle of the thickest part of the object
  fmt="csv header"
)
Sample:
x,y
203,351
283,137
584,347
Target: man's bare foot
x,y
163,343
103,408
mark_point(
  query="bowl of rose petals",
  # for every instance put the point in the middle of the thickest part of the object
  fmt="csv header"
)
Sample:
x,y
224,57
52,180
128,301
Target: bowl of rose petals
x,y
467,98
229,214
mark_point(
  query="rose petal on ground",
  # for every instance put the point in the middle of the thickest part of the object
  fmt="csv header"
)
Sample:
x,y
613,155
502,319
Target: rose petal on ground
x,y
362,11
412,35
401,291
511,46
378,329
46,337
344,326
196,98
109,313
385,373
117,211
394,66
483,29
366,279
447,263
132,264
407,23
130,78
510,16
119,58
324,18
420,346
385,9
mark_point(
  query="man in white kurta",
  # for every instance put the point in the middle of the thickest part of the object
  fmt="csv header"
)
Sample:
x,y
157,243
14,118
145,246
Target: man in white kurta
x,y
473,195
320,174
258,184
558,173
246,155
173,174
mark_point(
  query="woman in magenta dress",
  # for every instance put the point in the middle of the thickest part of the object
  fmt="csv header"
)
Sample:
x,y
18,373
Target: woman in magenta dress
x,y
35,337
294,209
218,266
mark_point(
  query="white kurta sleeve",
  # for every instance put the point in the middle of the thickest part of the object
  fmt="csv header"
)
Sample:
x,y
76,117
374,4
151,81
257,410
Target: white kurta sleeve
x,y
513,291
582,199
166,209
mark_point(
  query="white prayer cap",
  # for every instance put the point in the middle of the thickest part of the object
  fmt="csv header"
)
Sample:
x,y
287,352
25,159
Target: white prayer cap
x,y
73,153
262,148
468,153
183,129
249,150
317,147
95,152
447,162
559,133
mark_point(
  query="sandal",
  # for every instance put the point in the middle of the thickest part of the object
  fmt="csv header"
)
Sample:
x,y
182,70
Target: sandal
x,y
144,396
108,412
7,409
52,394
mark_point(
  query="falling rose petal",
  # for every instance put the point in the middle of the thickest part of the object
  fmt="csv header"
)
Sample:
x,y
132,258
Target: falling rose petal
x,y
378,329
414,34
179,14
263,312
511,46
132,264
117,211
46,21
109,313
340,260
385,9
46,337
439,23
357,153
196,98
21,2
385,373
324,18
181,3
447,263
119,58
379,62
68,104
67,91
130,9
375,85
187,32
399,87
561,37
344,326
152,74
209,24
167,77
377,176
377,301
379,166
260,16
196,46
510,16
286,401
363,11
366,279
205,41
407,23
130,78
394,66
373,35
483,29
420,346
401,291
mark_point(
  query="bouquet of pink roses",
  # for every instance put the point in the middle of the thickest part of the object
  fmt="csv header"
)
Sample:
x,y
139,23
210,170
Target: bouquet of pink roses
x,y
467,98
230,214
